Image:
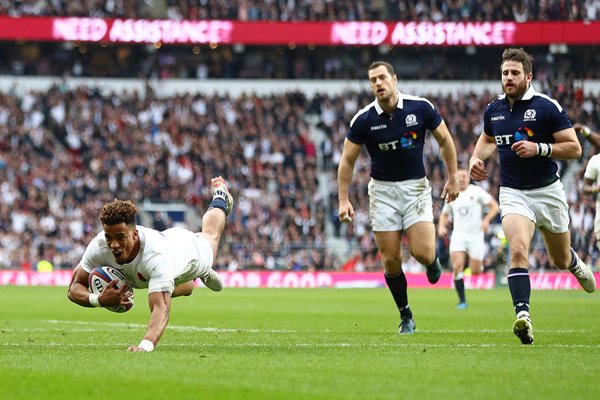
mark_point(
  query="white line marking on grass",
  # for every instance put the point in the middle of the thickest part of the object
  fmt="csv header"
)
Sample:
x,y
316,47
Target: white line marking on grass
x,y
187,328
181,328
311,345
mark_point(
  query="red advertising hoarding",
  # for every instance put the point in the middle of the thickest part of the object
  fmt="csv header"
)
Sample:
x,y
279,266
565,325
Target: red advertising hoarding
x,y
362,33
323,279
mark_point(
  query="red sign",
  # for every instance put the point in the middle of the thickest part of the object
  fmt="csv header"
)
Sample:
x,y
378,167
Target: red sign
x,y
289,279
363,33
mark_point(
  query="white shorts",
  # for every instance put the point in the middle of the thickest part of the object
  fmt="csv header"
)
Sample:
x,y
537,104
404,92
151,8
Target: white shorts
x,y
472,244
201,259
396,206
546,207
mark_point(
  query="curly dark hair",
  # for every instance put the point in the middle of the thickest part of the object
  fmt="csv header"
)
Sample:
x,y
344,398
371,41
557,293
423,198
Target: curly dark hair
x,y
518,55
118,211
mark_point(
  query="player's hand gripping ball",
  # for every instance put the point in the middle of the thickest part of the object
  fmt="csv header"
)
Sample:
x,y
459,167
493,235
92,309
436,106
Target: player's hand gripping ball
x,y
99,279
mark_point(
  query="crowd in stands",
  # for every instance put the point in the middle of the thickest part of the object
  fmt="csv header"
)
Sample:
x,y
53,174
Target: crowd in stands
x,y
277,62
64,153
313,10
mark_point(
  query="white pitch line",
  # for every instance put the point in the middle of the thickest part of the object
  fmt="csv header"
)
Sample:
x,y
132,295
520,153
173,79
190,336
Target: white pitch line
x,y
312,345
181,328
187,328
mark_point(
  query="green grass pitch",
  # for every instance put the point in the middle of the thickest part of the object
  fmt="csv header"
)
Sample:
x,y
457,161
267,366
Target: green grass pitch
x,y
300,344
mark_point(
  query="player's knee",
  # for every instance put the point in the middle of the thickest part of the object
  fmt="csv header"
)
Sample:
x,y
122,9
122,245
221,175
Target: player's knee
x,y
457,268
475,267
392,264
425,256
423,252
519,252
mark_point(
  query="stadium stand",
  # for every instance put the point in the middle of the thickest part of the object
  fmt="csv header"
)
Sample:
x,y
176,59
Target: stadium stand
x,y
309,10
66,152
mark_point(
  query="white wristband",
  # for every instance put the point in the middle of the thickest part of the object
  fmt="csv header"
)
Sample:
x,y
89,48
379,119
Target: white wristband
x,y
147,345
93,299
544,149
586,131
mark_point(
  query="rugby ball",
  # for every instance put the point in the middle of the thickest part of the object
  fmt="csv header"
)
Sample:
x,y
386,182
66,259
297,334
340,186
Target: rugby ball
x,y
99,279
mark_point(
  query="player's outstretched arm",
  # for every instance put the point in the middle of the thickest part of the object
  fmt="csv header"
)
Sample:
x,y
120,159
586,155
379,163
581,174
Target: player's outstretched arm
x,y
566,146
448,152
588,134
590,187
493,209
484,148
160,306
78,291
443,225
345,173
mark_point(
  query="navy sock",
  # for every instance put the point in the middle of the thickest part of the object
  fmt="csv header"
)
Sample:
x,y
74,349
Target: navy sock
x,y
218,202
520,288
459,284
398,287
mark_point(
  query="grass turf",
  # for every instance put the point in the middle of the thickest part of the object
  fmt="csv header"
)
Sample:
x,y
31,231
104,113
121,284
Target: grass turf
x,y
300,344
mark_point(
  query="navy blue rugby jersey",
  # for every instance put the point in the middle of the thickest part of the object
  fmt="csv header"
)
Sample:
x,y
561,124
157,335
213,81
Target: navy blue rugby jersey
x,y
536,117
395,143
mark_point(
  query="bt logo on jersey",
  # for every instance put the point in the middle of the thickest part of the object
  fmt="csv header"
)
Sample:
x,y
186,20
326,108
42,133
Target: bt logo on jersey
x,y
520,134
407,141
388,146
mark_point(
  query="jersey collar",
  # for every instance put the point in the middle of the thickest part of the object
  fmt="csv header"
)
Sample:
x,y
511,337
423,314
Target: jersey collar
x,y
527,96
400,104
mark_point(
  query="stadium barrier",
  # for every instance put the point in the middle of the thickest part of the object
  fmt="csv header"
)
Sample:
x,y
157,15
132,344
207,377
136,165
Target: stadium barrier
x,y
290,279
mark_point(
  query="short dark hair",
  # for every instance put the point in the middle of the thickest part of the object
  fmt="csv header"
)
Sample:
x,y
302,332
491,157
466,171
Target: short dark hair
x,y
118,211
387,65
518,55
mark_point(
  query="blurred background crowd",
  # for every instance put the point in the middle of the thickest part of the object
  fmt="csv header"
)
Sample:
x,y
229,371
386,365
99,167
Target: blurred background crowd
x,y
313,10
66,151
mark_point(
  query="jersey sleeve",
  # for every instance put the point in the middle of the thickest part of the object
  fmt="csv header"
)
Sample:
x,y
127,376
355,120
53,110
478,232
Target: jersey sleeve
x,y
161,274
487,127
483,197
92,256
558,120
356,133
591,171
433,119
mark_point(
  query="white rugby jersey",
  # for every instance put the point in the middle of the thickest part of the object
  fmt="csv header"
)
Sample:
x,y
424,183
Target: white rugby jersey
x,y
592,171
467,210
165,259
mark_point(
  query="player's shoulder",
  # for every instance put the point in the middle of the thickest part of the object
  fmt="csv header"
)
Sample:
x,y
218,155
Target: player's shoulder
x,y
476,189
362,115
417,101
98,242
150,239
495,104
543,100
595,160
